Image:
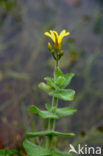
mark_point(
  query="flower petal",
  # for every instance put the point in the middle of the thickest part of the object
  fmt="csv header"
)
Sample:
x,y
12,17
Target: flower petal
x,y
56,34
47,34
62,35
68,33
56,39
52,36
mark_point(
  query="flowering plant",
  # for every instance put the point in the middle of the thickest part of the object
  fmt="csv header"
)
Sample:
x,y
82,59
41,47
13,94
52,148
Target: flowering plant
x,y
55,87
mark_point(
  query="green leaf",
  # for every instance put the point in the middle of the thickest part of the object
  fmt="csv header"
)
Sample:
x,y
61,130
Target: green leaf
x,y
34,150
5,152
62,112
43,113
59,81
50,82
64,94
48,133
67,80
57,73
56,152
62,80
48,107
45,87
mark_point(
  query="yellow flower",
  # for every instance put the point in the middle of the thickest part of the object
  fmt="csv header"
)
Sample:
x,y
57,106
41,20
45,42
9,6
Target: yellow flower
x,y
57,38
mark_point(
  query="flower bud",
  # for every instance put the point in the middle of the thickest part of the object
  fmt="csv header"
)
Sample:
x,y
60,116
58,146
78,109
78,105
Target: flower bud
x,y
52,51
50,46
61,53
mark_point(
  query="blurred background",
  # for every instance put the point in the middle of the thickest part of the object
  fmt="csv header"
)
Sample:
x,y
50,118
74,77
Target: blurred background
x,y
25,60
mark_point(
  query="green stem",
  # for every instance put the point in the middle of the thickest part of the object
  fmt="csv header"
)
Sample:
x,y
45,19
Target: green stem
x,y
51,122
57,63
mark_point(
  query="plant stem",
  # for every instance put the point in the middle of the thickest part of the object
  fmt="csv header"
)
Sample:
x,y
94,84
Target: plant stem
x,y
54,106
57,63
51,122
